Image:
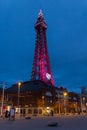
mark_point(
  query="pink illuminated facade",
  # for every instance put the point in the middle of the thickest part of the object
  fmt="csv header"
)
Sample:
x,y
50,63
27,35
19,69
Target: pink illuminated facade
x,y
41,65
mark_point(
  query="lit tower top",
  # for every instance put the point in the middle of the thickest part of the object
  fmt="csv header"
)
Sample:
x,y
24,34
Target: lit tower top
x,y
41,65
40,13
40,21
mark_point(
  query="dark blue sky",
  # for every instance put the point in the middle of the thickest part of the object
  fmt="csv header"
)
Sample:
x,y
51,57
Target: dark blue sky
x,y
66,37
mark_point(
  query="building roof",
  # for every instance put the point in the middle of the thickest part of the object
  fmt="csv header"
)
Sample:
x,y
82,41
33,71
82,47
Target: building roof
x,y
28,86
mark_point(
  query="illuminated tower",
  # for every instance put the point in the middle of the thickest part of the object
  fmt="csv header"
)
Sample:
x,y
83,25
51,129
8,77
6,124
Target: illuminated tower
x,y
41,66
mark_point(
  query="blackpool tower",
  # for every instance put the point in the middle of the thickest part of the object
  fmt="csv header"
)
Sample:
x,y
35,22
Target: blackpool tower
x,y
41,69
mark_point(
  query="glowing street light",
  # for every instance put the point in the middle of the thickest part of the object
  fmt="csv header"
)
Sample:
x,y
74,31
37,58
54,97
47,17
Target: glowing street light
x,y
19,84
65,95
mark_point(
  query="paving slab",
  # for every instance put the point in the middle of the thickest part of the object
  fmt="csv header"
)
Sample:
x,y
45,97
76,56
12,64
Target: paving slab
x,y
72,122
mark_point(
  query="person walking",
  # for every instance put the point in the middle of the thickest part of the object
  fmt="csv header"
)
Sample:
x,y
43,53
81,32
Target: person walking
x,y
12,114
6,114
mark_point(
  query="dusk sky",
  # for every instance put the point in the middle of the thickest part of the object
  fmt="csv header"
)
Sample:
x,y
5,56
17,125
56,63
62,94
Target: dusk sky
x,y
66,38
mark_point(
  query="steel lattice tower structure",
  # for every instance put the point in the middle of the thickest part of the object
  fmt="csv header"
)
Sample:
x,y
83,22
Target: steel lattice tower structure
x,y
41,66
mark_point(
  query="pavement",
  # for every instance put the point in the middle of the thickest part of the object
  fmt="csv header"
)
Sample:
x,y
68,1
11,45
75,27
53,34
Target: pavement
x,y
68,122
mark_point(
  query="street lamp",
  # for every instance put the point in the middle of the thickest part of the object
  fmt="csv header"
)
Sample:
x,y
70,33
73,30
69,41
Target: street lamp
x,y
59,98
19,84
65,95
2,104
86,107
42,104
82,101
83,104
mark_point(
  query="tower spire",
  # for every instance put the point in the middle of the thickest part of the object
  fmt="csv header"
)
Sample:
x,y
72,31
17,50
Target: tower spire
x,y
41,65
40,13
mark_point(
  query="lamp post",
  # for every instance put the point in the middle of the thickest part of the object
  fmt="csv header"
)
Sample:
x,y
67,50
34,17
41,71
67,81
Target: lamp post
x,y
42,104
65,94
86,107
2,104
81,103
19,84
58,95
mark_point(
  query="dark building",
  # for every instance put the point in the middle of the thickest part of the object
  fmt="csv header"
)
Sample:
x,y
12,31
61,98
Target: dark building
x,y
32,94
74,102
